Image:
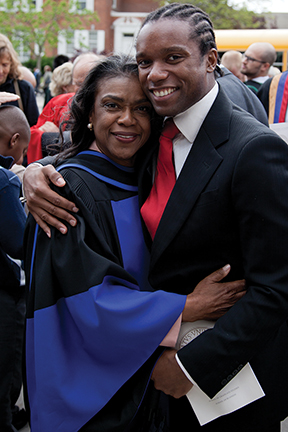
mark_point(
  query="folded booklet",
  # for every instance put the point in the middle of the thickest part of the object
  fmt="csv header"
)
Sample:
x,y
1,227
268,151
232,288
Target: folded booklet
x,y
242,390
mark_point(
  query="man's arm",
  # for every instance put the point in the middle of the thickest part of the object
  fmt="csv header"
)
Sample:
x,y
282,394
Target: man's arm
x,y
46,206
210,300
168,376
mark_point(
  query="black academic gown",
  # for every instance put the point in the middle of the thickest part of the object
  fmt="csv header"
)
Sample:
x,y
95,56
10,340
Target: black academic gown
x,y
93,323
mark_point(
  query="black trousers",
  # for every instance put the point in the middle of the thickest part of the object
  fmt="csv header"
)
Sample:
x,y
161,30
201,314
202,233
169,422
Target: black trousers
x,y
12,319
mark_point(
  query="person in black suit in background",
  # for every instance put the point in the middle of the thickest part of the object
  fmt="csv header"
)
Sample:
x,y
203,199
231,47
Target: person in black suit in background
x,y
229,204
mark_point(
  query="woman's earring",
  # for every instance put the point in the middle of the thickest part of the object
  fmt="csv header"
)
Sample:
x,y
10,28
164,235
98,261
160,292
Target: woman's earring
x,y
90,126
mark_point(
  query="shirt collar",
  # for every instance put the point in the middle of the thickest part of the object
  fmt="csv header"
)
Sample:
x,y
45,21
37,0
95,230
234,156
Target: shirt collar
x,y
6,161
197,112
260,79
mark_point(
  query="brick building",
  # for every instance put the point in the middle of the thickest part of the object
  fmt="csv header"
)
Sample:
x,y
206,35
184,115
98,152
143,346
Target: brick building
x,y
118,25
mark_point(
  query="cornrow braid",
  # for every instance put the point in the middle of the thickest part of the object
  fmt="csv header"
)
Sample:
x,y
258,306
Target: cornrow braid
x,y
200,23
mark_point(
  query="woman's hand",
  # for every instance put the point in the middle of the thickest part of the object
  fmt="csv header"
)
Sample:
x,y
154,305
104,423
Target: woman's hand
x,y
8,97
212,298
46,206
49,127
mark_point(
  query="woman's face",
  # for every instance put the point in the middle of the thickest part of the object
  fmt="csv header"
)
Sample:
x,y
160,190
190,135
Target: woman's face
x,y
121,119
5,64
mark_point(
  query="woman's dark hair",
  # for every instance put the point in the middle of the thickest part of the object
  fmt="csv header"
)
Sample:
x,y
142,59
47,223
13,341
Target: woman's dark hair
x,y
83,103
201,26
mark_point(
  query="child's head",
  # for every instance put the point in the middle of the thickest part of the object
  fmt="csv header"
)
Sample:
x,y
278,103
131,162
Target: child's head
x,y
14,133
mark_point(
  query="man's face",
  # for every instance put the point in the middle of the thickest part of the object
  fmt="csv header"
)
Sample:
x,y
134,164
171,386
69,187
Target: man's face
x,y
173,73
81,70
252,64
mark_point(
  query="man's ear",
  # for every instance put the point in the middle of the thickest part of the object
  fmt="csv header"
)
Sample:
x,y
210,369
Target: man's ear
x,y
212,60
265,67
14,139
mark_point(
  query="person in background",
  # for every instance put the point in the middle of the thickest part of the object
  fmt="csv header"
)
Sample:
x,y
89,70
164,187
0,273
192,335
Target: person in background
x,y
274,96
11,81
256,63
37,75
61,81
82,65
14,139
27,75
232,60
46,130
240,94
273,70
45,83
59,60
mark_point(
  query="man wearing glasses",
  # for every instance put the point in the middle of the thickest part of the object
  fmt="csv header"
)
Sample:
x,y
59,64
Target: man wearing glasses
x,y
256,63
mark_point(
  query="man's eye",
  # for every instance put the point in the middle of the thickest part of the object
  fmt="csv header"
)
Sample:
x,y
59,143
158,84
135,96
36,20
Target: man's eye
x,y
174,57
143,63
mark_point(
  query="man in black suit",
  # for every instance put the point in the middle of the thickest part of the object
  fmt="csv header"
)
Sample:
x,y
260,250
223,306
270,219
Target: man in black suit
x,y
229,204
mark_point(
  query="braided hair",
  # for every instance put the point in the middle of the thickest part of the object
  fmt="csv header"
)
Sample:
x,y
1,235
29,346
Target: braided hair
x,y
201,25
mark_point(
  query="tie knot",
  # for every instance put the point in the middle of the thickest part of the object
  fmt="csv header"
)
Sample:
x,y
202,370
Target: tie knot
x,y
170,130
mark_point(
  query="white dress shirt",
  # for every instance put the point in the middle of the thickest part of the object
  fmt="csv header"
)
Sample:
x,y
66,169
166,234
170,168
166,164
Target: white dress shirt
x,y
189,123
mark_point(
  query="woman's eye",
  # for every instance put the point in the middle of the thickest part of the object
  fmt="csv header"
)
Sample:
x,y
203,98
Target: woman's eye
x,y
110,105
144,109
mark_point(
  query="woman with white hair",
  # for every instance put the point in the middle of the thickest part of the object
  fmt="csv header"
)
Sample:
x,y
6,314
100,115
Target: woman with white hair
x,y
61,81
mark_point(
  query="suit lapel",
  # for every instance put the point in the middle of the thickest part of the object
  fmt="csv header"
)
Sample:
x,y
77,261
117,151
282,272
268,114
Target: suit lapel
x,y
201,163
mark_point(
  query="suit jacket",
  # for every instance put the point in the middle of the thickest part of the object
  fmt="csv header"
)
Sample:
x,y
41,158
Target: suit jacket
x,y
242,96
230,205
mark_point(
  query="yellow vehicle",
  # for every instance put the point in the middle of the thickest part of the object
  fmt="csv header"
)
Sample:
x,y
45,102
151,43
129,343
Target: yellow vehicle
x,y
239,40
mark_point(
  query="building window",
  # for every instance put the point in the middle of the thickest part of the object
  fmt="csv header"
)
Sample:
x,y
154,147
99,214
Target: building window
x,y
81,5
70,46
93,40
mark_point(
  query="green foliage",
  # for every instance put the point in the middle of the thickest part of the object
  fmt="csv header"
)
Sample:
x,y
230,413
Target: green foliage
x,y
224,16
20,20
32,63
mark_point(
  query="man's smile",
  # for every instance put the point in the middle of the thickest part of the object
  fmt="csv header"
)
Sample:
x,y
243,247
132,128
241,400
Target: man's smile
x,y
163,92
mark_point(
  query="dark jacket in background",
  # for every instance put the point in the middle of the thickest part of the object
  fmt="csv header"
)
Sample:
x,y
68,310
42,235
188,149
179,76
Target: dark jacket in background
x,y
28,98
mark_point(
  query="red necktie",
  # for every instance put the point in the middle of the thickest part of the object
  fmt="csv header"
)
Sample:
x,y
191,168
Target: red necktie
x,y
164,181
